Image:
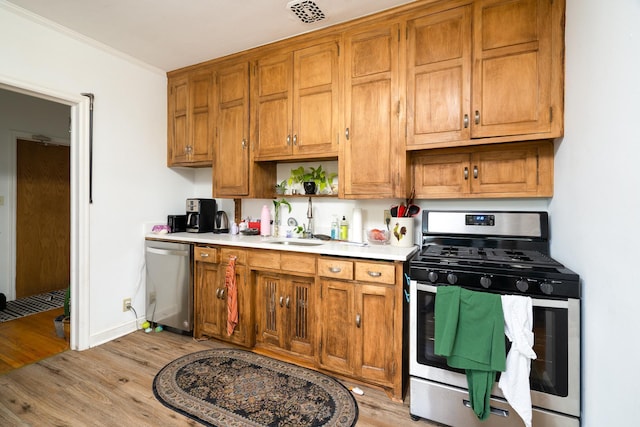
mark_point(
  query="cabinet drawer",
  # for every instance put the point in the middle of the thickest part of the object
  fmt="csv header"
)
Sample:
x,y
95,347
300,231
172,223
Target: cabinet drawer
x,y
298,263
202,254
374,272
264,259
335,268
241,255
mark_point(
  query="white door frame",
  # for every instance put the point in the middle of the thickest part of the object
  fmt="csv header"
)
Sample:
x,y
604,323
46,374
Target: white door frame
x,y
80,208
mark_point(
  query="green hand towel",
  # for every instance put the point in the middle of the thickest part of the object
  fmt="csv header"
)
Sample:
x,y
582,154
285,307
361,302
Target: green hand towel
x,y
469,332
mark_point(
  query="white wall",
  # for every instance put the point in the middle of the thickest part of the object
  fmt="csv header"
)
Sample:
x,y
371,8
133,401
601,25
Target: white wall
x,y
131,183
596,208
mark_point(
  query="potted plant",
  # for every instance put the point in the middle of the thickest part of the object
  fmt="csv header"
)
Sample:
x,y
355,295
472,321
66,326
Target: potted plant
x,y
282,187
312,179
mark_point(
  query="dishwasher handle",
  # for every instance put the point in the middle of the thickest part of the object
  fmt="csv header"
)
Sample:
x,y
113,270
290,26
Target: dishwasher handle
x,y
167,252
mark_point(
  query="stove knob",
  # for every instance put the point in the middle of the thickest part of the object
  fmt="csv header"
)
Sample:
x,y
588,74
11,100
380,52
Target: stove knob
x,y
546,288
433,276
485,281
452,278
522,285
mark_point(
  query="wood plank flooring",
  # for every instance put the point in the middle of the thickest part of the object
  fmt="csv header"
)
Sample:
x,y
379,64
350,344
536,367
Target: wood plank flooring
x,y
31,338
111,385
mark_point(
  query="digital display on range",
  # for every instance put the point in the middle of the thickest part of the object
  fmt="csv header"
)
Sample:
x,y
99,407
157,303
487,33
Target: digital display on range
x,y
483,220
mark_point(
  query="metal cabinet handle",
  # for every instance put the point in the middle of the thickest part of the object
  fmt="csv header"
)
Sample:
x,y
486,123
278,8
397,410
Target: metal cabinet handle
x,y
288,140
466,173
477,117
466,121
374,273
281,301
495,411
244,143
219,293
204,254
358,320
295,139
346,133
222,292
287,301
475,172
335,269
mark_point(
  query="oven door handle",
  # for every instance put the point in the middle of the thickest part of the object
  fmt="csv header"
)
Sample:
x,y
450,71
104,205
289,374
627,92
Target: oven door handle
x,y
495,411
536,302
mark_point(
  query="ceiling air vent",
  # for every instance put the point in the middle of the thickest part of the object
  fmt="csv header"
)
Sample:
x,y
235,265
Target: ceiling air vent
x,y
306,10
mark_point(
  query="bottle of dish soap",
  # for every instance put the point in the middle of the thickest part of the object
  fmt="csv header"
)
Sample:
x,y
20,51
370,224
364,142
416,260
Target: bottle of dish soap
x,y
344,229
335,229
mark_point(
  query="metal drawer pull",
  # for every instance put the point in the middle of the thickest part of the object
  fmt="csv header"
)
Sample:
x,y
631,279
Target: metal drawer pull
x,y
374,273
477,117
335,269
204,254
288,140
475,172
358,319
295,139
494,411
466,121
466,173
244,143
287,301
346,133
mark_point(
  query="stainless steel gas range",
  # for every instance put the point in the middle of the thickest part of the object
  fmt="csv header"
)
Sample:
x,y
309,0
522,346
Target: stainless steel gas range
x,y
503,253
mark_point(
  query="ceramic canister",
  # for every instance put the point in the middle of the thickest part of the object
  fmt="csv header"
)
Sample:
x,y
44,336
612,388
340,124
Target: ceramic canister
x,y
402,230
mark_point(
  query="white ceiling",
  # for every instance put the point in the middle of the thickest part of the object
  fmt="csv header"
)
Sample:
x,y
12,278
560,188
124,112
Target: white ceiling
x,y
171,34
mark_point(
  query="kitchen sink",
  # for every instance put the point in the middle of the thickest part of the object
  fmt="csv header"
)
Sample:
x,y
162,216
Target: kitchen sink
x,y
298,242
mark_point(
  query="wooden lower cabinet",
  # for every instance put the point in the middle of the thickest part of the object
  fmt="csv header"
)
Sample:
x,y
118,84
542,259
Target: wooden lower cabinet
x,y
361,325
211,294
286,312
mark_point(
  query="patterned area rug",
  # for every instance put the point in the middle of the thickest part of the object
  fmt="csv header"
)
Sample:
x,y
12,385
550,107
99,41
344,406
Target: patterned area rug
x,y
32,305
229,387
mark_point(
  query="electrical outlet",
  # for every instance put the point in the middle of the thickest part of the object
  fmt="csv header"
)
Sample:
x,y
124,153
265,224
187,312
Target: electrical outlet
x,y
126,303
387,216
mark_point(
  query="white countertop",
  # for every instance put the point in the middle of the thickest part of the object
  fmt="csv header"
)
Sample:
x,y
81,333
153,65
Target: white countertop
x,y
354,250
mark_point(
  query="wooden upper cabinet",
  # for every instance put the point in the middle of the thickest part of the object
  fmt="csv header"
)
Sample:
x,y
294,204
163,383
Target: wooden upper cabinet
x,y
496,171
295,103
513,68
370,158
439,77
232,151
190,130
487,72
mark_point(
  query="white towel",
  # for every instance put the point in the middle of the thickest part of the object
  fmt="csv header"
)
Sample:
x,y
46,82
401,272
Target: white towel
x,y
514,382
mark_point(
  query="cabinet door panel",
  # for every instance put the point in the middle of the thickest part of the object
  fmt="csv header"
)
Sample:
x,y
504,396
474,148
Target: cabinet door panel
x,y
231,170
300,312
270,320
512,67
208,320
178,121
512,170
374,305
337,326
441,175
438,77
202,121
370,161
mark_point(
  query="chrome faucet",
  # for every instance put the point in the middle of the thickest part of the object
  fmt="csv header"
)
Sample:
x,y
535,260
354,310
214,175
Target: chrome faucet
x,y
309,230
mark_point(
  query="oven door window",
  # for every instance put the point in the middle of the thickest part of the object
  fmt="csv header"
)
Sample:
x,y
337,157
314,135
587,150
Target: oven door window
x,y
549,372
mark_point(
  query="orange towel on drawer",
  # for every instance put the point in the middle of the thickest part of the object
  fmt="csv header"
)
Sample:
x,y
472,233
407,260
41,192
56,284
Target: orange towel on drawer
x,y
232,295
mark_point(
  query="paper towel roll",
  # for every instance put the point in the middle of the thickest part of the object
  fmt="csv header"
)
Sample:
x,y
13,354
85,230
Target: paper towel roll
x,y
356,225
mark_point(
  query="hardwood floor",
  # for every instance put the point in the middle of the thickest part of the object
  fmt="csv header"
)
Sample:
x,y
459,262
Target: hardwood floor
x,y
29,339
111,385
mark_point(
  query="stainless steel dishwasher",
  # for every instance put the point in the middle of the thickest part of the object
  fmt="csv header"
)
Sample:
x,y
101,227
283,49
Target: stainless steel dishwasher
x,y
169,281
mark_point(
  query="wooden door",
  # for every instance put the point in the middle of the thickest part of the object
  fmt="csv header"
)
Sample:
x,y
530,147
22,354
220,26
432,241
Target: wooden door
x,y
208,319
178,121
272,106
201,109
315,100
441,175
374,332
512,67
370,157
270,319
337,340
42,218
300,309
231,170
439,78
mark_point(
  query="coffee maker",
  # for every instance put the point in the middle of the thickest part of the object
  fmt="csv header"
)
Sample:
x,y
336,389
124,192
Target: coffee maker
x,y
201,214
